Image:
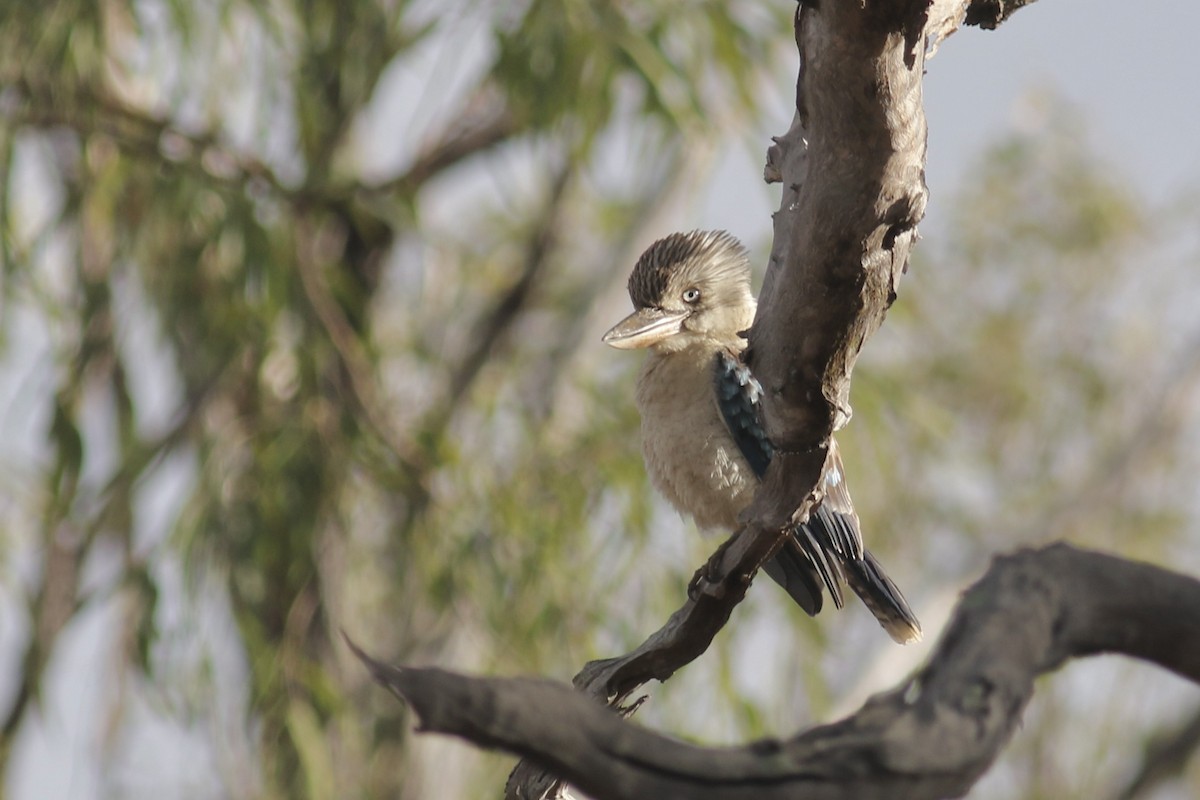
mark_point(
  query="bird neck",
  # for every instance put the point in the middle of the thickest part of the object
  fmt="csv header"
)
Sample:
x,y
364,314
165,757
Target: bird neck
x,y
698,345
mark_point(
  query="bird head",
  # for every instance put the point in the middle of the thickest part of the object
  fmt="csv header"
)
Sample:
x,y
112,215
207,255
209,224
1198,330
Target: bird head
x,y
687,288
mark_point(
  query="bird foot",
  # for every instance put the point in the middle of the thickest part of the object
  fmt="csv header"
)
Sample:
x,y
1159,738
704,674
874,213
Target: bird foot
x,y
710,579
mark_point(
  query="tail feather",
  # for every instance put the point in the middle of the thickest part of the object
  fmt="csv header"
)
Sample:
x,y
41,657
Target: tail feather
x,y
796,574
807,546
883,598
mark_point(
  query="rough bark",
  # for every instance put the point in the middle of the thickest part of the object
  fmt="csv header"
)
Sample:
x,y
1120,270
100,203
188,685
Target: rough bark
x,y
930,737
852,167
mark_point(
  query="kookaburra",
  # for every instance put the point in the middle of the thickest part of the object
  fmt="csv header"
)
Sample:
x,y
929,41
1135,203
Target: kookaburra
x,y
702,438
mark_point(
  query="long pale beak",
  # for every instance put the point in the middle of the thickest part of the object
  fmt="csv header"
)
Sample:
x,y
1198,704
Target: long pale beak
x,y
644,327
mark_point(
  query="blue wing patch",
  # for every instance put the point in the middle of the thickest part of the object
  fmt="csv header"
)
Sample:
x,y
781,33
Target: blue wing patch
x,y
738,396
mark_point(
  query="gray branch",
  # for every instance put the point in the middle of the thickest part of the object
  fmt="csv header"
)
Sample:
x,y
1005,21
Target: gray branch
x,y
930,737
853,173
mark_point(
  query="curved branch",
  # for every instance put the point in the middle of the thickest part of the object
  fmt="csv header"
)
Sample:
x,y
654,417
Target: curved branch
x,y
931,737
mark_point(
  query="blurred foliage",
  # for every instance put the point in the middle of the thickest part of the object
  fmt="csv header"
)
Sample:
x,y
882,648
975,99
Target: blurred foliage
x,y
365,376
294,303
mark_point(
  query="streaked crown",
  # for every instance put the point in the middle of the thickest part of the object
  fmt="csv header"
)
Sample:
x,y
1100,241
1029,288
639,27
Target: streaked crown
x,y
708,257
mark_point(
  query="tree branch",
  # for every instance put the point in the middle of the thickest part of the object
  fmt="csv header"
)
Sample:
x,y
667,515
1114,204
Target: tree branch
x,y
933,736
852,167
483,123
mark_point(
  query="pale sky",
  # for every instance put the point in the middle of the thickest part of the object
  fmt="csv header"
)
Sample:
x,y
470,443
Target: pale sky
x,y
1130,69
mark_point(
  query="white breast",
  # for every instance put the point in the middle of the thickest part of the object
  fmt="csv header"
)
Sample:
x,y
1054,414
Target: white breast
x,y
690,456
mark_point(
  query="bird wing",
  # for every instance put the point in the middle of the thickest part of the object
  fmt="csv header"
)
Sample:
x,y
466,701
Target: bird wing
x,y
809,554
738,396
828,549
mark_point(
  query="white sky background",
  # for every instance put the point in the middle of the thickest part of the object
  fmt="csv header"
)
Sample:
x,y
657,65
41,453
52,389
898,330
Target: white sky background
x,y
1130,68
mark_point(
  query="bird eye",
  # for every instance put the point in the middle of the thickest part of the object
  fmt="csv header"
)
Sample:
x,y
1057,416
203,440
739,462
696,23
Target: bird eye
x,y
691,295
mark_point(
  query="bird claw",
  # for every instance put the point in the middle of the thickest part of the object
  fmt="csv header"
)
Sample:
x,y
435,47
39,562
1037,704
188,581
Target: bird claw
x,y
709,578
702,582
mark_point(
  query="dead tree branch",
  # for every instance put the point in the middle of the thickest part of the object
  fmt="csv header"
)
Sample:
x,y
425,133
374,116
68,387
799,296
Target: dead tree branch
x,y
852,167
931,737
